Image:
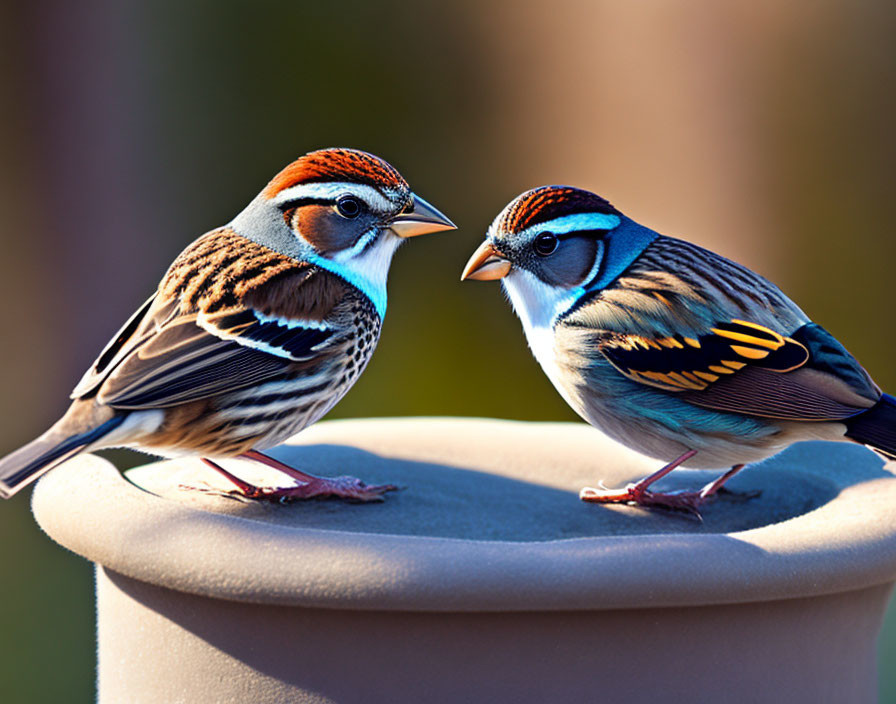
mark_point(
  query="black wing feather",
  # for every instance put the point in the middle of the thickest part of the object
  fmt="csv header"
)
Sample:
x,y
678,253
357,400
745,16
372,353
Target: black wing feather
x,y
742,367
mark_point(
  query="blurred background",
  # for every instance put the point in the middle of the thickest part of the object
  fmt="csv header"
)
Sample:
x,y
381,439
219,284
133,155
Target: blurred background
x,y
761,129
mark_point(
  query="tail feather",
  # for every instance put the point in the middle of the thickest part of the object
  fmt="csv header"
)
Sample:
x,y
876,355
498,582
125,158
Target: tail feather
x,y
26,464
876,427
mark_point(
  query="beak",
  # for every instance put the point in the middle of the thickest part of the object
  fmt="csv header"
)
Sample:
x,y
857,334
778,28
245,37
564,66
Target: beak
x,y
486,264
422,219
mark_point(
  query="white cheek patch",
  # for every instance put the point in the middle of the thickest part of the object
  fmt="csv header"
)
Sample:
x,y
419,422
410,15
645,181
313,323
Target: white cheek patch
x,y
365,265
538,304
375,200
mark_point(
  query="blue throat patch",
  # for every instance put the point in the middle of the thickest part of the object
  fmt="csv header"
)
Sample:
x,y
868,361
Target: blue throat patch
x,y
376,293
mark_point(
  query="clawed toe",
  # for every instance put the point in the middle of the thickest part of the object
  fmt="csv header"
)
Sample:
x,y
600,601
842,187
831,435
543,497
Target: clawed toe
x,y
348,488
688,502
307,486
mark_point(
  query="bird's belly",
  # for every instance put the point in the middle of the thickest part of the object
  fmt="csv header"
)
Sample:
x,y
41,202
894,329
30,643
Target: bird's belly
x,y
310,408
657,423
304,414
260,416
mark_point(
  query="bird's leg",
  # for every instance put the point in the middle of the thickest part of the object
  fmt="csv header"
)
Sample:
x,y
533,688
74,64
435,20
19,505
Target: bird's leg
x,y
311,486
639,493
716,484
635,492
245,488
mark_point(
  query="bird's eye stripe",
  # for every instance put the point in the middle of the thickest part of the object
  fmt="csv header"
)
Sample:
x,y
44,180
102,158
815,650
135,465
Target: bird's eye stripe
x,y
571,224
299,202
545,243
330,192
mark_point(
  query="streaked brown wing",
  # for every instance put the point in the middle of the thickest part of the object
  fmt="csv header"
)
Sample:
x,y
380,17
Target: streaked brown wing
x,y
194,357
135,331
183,363
215,329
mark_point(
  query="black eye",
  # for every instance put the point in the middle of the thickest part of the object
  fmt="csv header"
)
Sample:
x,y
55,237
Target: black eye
x,y
545,244
349,206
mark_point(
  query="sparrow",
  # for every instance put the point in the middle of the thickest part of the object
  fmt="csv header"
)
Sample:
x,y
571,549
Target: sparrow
x,y
670,349
257,329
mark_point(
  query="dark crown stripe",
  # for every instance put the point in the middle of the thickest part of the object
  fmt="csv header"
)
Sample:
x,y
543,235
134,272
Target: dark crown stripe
x,y
550,202
337,165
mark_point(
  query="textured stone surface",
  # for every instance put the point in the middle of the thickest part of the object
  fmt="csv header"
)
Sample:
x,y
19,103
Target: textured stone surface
x,y
509,481
488,519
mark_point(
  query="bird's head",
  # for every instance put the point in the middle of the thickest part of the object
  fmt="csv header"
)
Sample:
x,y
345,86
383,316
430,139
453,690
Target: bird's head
x,y
554,234
552,245
343,209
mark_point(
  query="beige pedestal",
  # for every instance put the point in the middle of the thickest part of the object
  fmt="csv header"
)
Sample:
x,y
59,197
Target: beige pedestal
x,y
484,579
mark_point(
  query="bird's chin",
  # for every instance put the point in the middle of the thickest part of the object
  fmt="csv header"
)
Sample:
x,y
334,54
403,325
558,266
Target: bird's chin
x,y
394,239
537,303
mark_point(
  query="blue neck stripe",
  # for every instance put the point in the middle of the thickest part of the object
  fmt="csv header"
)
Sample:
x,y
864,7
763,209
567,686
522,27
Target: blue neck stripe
x,y
624,244
621,247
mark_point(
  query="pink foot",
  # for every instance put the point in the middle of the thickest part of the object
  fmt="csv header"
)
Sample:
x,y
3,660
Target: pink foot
x,y
350,488
308,486
688,501
639,493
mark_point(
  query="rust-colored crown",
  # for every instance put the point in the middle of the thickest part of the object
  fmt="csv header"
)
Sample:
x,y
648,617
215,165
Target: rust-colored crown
x,y
549,202
337,164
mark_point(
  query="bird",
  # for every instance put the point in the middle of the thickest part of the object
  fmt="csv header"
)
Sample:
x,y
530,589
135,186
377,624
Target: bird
x,y
669,348
256,330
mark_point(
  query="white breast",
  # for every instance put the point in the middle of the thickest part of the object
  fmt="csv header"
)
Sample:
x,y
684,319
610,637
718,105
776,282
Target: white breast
x,y
538,306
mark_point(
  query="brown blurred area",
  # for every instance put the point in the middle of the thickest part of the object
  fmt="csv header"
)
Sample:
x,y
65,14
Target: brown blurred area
x,y
762,130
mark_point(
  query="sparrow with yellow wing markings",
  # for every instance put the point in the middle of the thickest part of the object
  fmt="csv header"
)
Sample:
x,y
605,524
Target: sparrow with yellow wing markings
x,y
671,349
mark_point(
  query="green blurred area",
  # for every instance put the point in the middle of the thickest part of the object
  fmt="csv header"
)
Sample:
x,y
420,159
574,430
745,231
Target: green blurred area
x,y
129,128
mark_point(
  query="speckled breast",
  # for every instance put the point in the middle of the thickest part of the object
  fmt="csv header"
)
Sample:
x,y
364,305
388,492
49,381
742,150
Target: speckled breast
x,y
317,386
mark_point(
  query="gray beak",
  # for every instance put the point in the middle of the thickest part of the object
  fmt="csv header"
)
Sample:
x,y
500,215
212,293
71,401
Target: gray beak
x,y
422,219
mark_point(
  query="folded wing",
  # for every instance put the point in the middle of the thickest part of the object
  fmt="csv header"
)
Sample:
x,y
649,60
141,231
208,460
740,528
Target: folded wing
x,y
171,353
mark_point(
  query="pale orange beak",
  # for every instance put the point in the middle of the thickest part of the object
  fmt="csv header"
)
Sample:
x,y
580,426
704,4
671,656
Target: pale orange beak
x,y
486,264
422,219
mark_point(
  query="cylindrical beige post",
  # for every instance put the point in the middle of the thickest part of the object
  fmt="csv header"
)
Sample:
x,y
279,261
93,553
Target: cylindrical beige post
x,y
484,579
